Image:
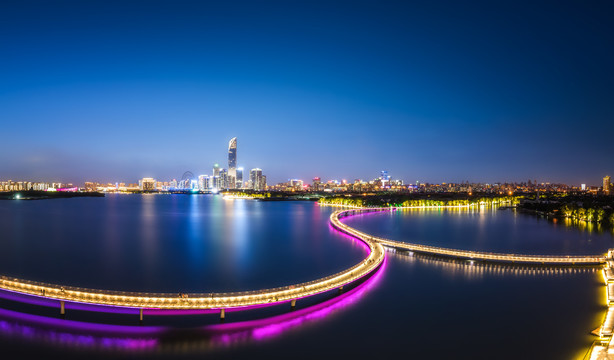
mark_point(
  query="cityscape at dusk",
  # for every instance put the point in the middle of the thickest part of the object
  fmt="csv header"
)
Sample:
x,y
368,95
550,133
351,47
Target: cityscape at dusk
x,y
232,178
435,92
306,180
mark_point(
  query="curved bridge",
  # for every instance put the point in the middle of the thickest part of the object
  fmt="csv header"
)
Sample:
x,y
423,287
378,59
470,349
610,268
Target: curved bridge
x,y
200,301
221,301
466,254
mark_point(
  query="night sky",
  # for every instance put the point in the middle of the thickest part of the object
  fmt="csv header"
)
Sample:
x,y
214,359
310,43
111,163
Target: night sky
x,y
430,91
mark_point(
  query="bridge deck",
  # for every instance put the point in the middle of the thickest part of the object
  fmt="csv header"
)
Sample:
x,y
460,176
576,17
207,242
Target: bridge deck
x,y
476,255
201,300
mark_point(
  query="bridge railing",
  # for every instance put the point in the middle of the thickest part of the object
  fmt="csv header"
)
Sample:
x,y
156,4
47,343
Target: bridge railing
x,y
373,259
190,295
592,259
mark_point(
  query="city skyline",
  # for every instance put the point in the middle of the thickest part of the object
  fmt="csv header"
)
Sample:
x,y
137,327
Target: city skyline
x,y
112,94
232,178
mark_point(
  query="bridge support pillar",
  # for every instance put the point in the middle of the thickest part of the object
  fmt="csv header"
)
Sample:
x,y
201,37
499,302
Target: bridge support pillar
x,y
141,316
222,314
293,304
340,289
62,308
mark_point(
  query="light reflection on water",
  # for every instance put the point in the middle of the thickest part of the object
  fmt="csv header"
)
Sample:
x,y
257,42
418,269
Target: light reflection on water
x,y
412,277
469,269
160,340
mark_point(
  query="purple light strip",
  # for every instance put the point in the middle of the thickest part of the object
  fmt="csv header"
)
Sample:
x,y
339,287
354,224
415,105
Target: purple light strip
x,y
44,301
133,338
79,326
270,327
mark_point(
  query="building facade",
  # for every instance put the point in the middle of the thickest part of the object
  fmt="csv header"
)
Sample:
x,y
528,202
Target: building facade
x,y
257,180
232,163
239,179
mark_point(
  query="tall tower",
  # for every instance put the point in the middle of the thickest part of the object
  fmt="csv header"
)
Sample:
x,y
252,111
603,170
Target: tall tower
x,y
232,163
606,185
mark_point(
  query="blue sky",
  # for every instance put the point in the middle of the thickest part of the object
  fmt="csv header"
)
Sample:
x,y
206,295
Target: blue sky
x,y
430,91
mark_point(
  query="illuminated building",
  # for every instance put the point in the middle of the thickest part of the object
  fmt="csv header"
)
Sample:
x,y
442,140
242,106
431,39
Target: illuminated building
x,y
147,184
385,179
316,184
239,178
257,180
223,179
583,187
204,182
232,163
296,184
606,185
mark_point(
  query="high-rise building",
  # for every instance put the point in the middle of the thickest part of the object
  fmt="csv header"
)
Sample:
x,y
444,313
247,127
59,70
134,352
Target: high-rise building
x,y
257,180
216,170
239,179
385,179
147,184
215,183
223,179
204,182
232,163
606,185
296,184
316,184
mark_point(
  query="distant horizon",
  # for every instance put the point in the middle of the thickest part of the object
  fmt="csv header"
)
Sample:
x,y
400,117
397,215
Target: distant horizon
x,y
305,180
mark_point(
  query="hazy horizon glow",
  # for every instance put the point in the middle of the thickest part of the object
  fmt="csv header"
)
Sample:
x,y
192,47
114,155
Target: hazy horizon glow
x,y
434,91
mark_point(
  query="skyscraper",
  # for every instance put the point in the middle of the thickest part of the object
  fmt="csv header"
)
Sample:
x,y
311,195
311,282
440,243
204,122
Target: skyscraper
x,y
147,184
223,183
606,185
239,179
316,184
204,182
257,180
385,179
232,163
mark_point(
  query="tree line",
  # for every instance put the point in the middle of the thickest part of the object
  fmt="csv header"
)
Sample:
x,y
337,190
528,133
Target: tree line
x,y
397,201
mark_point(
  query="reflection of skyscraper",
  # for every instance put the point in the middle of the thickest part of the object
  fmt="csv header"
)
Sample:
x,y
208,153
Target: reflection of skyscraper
x,y
232,163
239,179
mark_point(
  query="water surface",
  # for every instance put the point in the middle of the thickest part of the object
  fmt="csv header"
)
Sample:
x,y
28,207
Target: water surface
x,y
419,307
